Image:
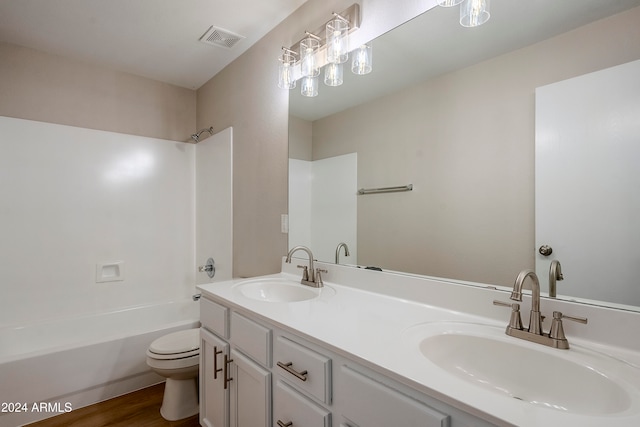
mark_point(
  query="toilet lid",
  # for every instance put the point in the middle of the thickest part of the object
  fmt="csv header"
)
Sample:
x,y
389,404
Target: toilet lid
x,y
177,342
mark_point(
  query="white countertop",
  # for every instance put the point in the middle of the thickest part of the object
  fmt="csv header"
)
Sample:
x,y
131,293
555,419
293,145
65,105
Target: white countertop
x,y
366,325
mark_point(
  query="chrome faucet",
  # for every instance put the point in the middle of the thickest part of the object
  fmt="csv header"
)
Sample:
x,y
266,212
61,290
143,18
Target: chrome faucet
x,y
555,273
555,338
346,251
310,277
535,322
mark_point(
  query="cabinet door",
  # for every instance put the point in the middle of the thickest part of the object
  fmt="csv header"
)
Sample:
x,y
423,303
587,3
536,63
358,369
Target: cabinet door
x,y
369,403
214,399
250,386
290,408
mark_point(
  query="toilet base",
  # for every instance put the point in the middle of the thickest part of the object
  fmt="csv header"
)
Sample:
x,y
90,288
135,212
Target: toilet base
x,y
180,399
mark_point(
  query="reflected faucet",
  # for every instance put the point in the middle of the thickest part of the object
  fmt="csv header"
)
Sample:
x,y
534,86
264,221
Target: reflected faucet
x,y
535,321
346,251
310,276
555,273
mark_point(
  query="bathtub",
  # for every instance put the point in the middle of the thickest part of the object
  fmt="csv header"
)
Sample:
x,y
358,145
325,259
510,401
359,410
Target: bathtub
x,y
55,367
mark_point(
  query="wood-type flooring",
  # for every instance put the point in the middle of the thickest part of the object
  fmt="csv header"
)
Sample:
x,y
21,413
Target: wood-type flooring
x,y
138,409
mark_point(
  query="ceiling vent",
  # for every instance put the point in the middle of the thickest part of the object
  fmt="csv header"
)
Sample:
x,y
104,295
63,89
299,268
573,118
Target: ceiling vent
x,y
219,37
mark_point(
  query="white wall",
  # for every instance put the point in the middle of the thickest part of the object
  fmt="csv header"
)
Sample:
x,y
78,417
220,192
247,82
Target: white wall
x,y
214,202
72,198
323,205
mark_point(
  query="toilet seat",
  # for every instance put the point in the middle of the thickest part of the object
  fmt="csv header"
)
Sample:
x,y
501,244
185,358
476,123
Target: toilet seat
x,y
176,345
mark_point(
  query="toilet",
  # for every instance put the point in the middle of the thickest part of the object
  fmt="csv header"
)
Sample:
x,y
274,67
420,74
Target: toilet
x,y
176,357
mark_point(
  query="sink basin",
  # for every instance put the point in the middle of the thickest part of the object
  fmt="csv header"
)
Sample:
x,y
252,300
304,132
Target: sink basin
x,y
279,290
575,381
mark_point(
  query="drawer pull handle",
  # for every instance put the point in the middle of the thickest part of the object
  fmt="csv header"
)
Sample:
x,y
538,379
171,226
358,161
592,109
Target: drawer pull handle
x,y
287,367
281,424
227,378
216,352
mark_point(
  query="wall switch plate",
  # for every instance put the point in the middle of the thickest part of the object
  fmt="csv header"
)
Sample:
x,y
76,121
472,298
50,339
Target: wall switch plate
x,y
284,223
110,272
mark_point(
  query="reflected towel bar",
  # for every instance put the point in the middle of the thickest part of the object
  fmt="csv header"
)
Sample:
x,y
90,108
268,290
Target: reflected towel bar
x,y
385,189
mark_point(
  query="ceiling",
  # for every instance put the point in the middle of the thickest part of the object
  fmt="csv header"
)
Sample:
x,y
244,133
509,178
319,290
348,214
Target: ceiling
x,y
157,39
434,43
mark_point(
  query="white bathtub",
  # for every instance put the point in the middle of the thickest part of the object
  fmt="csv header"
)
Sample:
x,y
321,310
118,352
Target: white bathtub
x,y
50,368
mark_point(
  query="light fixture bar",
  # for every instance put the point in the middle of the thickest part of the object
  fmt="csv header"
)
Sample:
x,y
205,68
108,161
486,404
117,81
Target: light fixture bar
x,y
351,14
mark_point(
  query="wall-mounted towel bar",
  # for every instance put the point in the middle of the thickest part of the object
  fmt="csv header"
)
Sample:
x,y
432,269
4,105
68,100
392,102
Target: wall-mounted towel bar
x,y
385,189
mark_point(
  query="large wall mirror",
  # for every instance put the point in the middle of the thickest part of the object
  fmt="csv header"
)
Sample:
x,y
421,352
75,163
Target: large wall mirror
x,y
451,111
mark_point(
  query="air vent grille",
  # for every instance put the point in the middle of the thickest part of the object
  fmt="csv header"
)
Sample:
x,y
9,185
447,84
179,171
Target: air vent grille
x,y
219,37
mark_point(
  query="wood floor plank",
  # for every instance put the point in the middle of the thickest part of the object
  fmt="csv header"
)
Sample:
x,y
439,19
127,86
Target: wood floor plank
x,y
138,409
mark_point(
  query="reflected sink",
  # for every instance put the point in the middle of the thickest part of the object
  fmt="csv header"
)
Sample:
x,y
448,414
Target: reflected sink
x,y
279,290
575,381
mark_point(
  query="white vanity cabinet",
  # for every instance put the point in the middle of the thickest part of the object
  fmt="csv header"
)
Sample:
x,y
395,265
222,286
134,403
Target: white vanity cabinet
x,y
276,378
235,380
214,398
369,402
303,389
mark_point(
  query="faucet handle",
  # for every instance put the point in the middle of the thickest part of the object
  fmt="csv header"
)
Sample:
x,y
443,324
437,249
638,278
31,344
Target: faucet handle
x,y
319,282
557,331
515,322
305,272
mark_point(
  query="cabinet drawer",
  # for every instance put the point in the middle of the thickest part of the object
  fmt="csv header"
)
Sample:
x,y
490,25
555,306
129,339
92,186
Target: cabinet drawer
x,y
369,403
214,317
252,338
289,406
313,369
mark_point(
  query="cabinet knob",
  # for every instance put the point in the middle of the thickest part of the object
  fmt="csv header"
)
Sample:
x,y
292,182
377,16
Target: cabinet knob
x,y
281,424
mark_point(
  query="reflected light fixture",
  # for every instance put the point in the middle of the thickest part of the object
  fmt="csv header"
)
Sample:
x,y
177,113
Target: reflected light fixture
x,y
309,86
328,46
333,74
362,62
474,13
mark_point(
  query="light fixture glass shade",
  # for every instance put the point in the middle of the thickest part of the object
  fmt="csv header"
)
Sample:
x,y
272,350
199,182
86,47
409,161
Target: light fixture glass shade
x,y
308,61
337,41
333,74
449,3
362,60
286,79
474,13
309,86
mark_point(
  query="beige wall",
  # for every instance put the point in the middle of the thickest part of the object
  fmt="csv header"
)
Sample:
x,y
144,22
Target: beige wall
x,y
245,95
466,142
50,88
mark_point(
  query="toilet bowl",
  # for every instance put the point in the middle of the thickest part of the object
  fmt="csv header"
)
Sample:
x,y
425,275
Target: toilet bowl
x,y
176,357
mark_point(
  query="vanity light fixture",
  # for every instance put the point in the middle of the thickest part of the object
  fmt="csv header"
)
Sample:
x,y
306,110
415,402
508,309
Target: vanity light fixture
x,y
337,39
328,46
474,13
286,79
309,47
